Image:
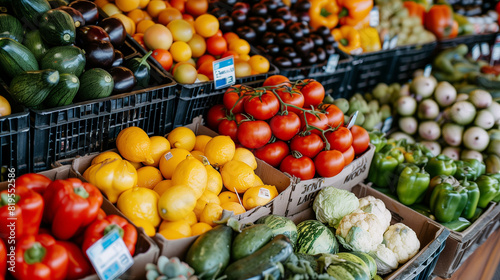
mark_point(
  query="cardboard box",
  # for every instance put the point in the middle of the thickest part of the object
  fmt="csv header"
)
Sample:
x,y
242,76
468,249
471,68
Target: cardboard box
x,y
146,251
432,237
302,193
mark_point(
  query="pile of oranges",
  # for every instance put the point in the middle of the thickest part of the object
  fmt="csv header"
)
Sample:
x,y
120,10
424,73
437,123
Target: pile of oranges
x,y
182,36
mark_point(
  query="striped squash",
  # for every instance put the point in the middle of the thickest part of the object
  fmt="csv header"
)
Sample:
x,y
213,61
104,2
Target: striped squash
x,y
347,266
315,238
280,225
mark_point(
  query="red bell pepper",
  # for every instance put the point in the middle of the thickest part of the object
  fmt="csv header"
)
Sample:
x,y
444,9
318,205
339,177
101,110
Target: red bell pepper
x,y
101,214
439,20
71,205
78,265
415,10
40,257
33,181
99,228
3,260
21,211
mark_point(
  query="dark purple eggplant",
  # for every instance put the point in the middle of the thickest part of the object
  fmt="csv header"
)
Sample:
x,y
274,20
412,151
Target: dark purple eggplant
x,y
115,29
75,15
124,79
99,54
118,59
87,9
89,34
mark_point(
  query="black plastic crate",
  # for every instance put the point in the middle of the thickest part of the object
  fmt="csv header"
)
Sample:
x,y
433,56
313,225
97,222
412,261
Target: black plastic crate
x,y
410,58
93,126
469,40
371,68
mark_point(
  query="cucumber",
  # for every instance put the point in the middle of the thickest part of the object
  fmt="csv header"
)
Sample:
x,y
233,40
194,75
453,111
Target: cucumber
x,y
262,262
32,87
57,28
94,84
15,58
33,41
250,240
210,253
11,27
65,59
64,92
30,10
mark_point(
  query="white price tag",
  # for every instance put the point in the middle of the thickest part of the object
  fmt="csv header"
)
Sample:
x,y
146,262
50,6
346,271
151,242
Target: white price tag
x,y
427,70
476,52
224,75
394,42
387,125
168,156
264,193
352,120
485,49
495,53
109,256
332,63
374,17
386,43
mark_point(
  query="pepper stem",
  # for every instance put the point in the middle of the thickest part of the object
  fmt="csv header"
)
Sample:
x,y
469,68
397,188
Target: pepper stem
x,y
324,12
5,200
144,58
81,191
344,41
35,253
111,227
343,13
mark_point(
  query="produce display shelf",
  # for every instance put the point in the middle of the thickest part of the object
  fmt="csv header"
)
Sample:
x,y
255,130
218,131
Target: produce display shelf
x,y
371,68
469,40
409,59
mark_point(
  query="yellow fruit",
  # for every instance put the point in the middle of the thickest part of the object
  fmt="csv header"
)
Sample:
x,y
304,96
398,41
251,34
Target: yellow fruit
x,y
200,228
237,176
127,22
134,145
198,155
214,182
228,196
140,203
207,197
192,173
220,150
258,181
127,5
257,196
149,229
148,177
182,137
159,146
233,206
136,165
5,108
101,3
162,186
104,156
201,142
176,203
170,160
244,155
111,9
211,213
191,218
176,230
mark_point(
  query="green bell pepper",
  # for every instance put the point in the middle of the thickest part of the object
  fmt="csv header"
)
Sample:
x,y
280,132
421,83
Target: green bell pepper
x,y
448,202
488,189
382,169
394,182
459,224
423,209
436,180
479,212
412,185
470,169
378,140
496,176
416,157
441,165
397,154
472,198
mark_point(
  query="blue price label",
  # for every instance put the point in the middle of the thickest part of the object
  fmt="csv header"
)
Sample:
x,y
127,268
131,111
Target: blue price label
x,y
224,74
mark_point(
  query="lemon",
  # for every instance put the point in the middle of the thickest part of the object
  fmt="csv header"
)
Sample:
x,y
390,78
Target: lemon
x,y
170,160
148,177
211,214
244,155
237,176
201,142
198,155
176,230
159,146
149,229
140,203
162,186
257,196
191,218
176,203
134,145
182,137
228,196
220,150
200,228
104,156
206,197
258,181
136,165
214,182
191,173
233,206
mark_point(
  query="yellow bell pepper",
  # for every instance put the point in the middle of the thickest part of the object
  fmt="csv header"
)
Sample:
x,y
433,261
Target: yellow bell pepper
x,y
370,41
140,204
348,38
112,177
323,13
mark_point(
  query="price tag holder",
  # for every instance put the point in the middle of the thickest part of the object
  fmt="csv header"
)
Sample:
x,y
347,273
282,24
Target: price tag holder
x,y
386,43
332,63
224,74
352,120
109,256
476,52
374,17
387,125
427,70
394,42
485,49
495,53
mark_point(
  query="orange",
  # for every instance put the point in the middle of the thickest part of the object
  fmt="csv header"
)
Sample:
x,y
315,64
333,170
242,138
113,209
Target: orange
x,y
136,15
230,36
158,36
104,156
170,160
162,186
176,203
148,177
169,14
233,206
257,196
176,230
200,228
228,196
144,24
159,146
180,51
127,22
143,3
211,213
5,109
127,5
206,198
155,7
244,57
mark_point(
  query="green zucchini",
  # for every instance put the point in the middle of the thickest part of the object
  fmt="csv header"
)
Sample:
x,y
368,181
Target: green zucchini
x,y
33,41
32,87
262,262
11,27
15,58
64,92
65,59
57,28
250,240
210,253
30,10
94,84
486,83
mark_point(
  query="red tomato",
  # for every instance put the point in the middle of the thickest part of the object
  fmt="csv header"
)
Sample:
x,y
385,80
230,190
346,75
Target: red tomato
x,y
308,145
313,92
262,107
216,45
285,127
215,115
164,58
329,163
231,96
276,80
254,134
361,139
334,114
293,97
340,139
229,128
320,121
273,153
348,156
302,167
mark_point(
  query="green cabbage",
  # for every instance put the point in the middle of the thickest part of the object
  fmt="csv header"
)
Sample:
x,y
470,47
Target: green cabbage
x,y
332,204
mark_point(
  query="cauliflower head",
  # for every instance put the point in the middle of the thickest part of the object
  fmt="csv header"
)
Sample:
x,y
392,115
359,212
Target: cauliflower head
x,y
370,204
360,232
332,204
403,241
385,259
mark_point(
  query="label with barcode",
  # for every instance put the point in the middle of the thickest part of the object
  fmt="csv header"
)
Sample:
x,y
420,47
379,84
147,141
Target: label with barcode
x,y
374,17
168,156
476,52
264,193
224,74
485,49
332,63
